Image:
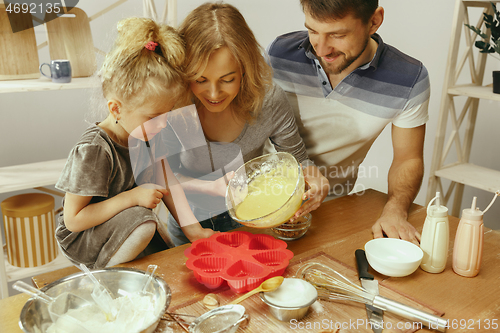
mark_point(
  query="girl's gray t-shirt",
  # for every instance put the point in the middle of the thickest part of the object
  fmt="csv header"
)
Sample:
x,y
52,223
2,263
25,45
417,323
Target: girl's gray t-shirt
x,y
97,166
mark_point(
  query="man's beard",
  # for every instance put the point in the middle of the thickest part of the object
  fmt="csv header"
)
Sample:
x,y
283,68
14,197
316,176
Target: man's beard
x,y
331,69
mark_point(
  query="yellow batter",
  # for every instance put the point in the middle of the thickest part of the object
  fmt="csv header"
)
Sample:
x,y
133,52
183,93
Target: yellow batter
x,y
267,193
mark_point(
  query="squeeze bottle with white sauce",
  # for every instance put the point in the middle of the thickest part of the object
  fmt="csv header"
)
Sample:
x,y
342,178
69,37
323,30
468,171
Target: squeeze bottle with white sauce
x,y
435,237
468,248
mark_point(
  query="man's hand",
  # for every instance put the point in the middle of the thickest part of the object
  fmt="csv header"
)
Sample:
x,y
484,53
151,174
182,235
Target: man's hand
x,y
404,179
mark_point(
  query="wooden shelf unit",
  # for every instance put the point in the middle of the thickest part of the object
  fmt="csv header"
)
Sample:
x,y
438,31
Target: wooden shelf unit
x,y
461,172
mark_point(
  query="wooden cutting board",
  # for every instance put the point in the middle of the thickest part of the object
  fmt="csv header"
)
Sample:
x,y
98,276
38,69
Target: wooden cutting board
x,y
69,37
18,51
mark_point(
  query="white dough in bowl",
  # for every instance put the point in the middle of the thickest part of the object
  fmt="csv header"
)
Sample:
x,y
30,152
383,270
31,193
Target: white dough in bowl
x,y
293,292
135,313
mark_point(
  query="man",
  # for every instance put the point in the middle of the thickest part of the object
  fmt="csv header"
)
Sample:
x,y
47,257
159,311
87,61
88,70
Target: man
x,y
346,85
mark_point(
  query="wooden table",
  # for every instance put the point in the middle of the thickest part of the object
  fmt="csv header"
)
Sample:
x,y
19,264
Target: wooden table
x,y
339,227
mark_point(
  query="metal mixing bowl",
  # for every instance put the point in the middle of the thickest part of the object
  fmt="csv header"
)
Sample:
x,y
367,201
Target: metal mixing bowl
x,y
237,189
291,288
120,281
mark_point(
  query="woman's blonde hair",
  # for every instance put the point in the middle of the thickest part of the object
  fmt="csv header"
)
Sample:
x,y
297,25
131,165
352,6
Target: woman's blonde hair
x,y
133,72
214,25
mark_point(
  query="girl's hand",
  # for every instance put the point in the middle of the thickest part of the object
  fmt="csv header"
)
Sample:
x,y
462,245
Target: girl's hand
x,y
148,195
196,231
219,186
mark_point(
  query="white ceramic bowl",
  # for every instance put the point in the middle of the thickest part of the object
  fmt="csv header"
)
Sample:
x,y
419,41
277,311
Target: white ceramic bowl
x,y
393,257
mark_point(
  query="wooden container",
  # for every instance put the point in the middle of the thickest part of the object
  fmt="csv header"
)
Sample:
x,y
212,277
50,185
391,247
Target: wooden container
x,y
69,37
29,229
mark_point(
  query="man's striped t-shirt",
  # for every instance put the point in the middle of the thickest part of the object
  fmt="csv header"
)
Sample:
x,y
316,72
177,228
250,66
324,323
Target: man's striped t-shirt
x,y
339,124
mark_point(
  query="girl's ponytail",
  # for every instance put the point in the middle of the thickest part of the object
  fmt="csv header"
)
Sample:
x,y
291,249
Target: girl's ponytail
x,y
143,50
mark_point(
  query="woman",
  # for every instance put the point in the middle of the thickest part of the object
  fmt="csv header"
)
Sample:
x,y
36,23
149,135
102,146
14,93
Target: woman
x,y
108,218
239,110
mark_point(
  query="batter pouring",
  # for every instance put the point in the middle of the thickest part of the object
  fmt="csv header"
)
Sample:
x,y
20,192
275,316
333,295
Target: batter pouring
x,y
267,193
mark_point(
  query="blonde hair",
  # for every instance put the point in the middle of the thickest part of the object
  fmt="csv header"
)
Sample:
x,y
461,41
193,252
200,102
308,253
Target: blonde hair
x,y
214,25
134,73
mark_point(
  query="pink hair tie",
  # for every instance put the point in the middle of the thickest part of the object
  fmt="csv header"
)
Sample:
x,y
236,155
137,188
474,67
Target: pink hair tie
x,y
151,46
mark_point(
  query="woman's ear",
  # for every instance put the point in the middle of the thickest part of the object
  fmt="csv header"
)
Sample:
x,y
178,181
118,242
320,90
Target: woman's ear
x,y
114,108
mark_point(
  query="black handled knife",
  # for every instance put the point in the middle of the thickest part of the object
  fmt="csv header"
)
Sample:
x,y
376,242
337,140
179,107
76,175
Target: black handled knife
x,y
375,315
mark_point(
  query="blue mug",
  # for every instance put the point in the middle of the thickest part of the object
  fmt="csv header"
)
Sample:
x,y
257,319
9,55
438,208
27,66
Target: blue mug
x,y
60,71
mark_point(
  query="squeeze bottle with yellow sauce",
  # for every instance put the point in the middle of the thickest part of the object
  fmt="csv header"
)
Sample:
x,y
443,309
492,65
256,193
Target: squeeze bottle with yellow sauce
x,y
435,237
468,248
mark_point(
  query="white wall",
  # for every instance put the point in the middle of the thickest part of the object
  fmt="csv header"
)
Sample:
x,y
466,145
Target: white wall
x,y
39,126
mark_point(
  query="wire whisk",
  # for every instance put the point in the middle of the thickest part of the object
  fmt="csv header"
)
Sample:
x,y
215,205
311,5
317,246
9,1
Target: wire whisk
x,y
332,286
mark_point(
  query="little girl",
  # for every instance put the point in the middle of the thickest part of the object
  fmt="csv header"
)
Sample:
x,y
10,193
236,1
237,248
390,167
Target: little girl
x,y
108,218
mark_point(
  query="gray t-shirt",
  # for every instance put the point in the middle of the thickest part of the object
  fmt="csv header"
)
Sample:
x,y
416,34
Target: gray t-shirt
x,y
97,166
101,168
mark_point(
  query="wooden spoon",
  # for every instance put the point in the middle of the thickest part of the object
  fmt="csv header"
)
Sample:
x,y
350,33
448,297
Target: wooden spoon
x,y
268,285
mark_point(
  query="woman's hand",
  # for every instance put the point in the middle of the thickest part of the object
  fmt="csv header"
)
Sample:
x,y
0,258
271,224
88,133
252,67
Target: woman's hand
x,y
219,186
317,187
148,195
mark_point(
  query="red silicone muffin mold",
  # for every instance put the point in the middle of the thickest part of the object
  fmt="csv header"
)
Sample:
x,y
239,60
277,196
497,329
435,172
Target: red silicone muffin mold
x,y
239,258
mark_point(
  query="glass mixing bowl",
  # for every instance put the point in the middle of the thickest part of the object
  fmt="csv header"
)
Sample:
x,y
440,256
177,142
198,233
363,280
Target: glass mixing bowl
x,y
272,166
293,230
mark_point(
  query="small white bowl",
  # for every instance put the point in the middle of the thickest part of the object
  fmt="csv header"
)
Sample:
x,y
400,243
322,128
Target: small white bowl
x,y
393,257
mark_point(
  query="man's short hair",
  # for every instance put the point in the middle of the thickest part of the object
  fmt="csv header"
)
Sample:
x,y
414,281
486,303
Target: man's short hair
x,y
326,10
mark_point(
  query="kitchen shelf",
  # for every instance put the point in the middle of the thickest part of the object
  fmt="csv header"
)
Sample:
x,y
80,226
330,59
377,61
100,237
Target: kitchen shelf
x,y
461,173
14,273
23,177
44,84
474,91
31,175
472,175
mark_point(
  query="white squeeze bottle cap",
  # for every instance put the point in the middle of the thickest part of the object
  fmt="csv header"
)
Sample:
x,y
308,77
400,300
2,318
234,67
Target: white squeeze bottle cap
x,y
437,210
472,213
